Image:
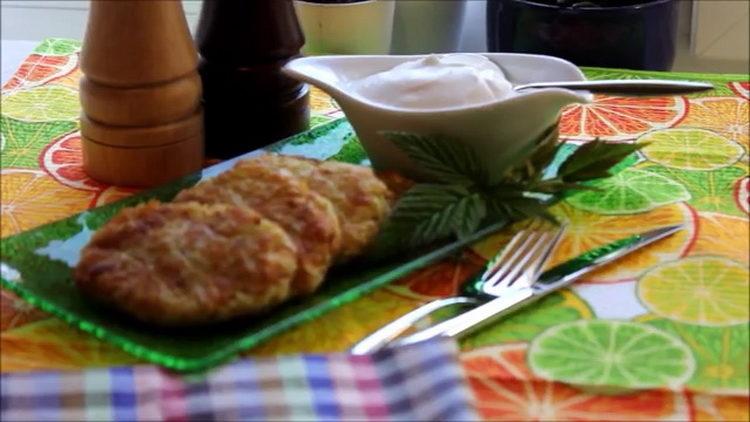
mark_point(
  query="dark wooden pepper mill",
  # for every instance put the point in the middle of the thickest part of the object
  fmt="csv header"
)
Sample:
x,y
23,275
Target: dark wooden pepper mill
x,y
248,102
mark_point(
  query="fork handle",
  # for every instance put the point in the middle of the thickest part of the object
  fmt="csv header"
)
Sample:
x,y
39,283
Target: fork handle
x,y
384,335
476,318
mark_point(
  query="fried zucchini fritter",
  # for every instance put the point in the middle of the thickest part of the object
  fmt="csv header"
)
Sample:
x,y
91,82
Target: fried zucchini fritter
x,y
361,200
308,218
188,263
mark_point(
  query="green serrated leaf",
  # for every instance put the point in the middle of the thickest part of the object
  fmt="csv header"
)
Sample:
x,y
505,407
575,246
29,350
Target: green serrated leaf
x,y
423,200
469,217
545,151
594,159
499,173
461,217
444,159
532,208
430,212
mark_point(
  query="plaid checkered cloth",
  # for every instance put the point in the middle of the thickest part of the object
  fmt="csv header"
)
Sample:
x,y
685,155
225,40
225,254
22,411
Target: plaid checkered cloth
x,y
418,382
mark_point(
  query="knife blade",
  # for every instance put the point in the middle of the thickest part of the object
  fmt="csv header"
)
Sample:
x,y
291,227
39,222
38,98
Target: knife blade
x,y
550,281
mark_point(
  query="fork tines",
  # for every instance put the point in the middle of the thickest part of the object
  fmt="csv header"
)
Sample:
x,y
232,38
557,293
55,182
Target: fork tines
x,y
522,258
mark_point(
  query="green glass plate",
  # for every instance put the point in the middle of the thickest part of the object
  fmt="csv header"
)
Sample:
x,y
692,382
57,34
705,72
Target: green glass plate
x,y
37,265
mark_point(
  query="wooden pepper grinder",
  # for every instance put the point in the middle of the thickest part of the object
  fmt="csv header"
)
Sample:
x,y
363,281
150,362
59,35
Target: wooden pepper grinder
x,y
249,102
142,120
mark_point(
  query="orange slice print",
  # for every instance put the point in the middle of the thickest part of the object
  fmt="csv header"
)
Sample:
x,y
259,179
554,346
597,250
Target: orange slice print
x,y
52,344
71,80
322,103
741,195
340,328
741,88
730,117
32,198
717,408
113,194
63,160
620,118
722,235
438,280
14,312
586,230
38,69
506,389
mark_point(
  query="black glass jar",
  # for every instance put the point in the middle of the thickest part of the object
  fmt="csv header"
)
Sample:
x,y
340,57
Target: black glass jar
x,y
632,34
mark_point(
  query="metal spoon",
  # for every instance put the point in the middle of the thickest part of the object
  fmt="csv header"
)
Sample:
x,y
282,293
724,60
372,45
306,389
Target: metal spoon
x,y
626,87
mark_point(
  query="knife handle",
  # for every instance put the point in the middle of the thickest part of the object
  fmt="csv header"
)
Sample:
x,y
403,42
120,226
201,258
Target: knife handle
x,y
476,318
384,335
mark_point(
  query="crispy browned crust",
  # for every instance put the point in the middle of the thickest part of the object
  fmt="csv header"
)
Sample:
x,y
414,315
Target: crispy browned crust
x,y
188,263
308,218
397,184
361,200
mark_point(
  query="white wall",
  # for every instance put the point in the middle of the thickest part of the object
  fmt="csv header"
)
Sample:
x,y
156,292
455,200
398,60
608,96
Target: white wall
x,y
38,19
722,43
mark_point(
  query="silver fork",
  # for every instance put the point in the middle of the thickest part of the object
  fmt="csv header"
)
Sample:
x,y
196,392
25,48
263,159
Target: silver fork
x,y
519,291
528,249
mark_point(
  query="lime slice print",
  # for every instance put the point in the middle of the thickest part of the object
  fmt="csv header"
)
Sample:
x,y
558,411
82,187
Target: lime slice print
x,y
609,353
42,104
710,191
727,116
720,354
712,291
630,191
24,141
58,47
554,309
507,391
691,149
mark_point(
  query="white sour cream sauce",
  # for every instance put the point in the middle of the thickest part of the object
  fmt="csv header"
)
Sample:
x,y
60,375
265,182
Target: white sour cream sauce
x,y
436,82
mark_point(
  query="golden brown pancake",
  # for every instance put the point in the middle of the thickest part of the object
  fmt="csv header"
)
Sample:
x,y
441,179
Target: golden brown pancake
x,y
308,218
361,200
188,263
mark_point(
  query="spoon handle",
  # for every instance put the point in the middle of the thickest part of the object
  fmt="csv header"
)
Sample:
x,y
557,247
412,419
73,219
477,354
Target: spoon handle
x,y
626,86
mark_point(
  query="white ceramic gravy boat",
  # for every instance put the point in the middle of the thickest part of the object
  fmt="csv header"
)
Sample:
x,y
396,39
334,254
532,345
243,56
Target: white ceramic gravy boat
x,y
493,129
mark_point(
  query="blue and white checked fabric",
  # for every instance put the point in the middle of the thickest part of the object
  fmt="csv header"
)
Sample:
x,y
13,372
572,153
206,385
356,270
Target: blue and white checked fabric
x,y
418,382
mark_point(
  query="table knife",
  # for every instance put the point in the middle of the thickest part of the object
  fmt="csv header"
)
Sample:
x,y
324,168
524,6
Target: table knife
x,y
552,280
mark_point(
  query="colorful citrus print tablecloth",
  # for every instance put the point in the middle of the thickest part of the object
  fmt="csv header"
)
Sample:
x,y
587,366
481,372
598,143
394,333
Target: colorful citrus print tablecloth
x,y
674,315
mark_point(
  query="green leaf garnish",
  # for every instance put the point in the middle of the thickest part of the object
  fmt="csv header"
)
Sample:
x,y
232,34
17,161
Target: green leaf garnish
x,y
465,196
440,157
594,159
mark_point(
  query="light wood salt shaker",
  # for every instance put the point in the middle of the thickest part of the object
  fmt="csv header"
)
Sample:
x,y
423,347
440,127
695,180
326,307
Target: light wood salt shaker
x,y
142,120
